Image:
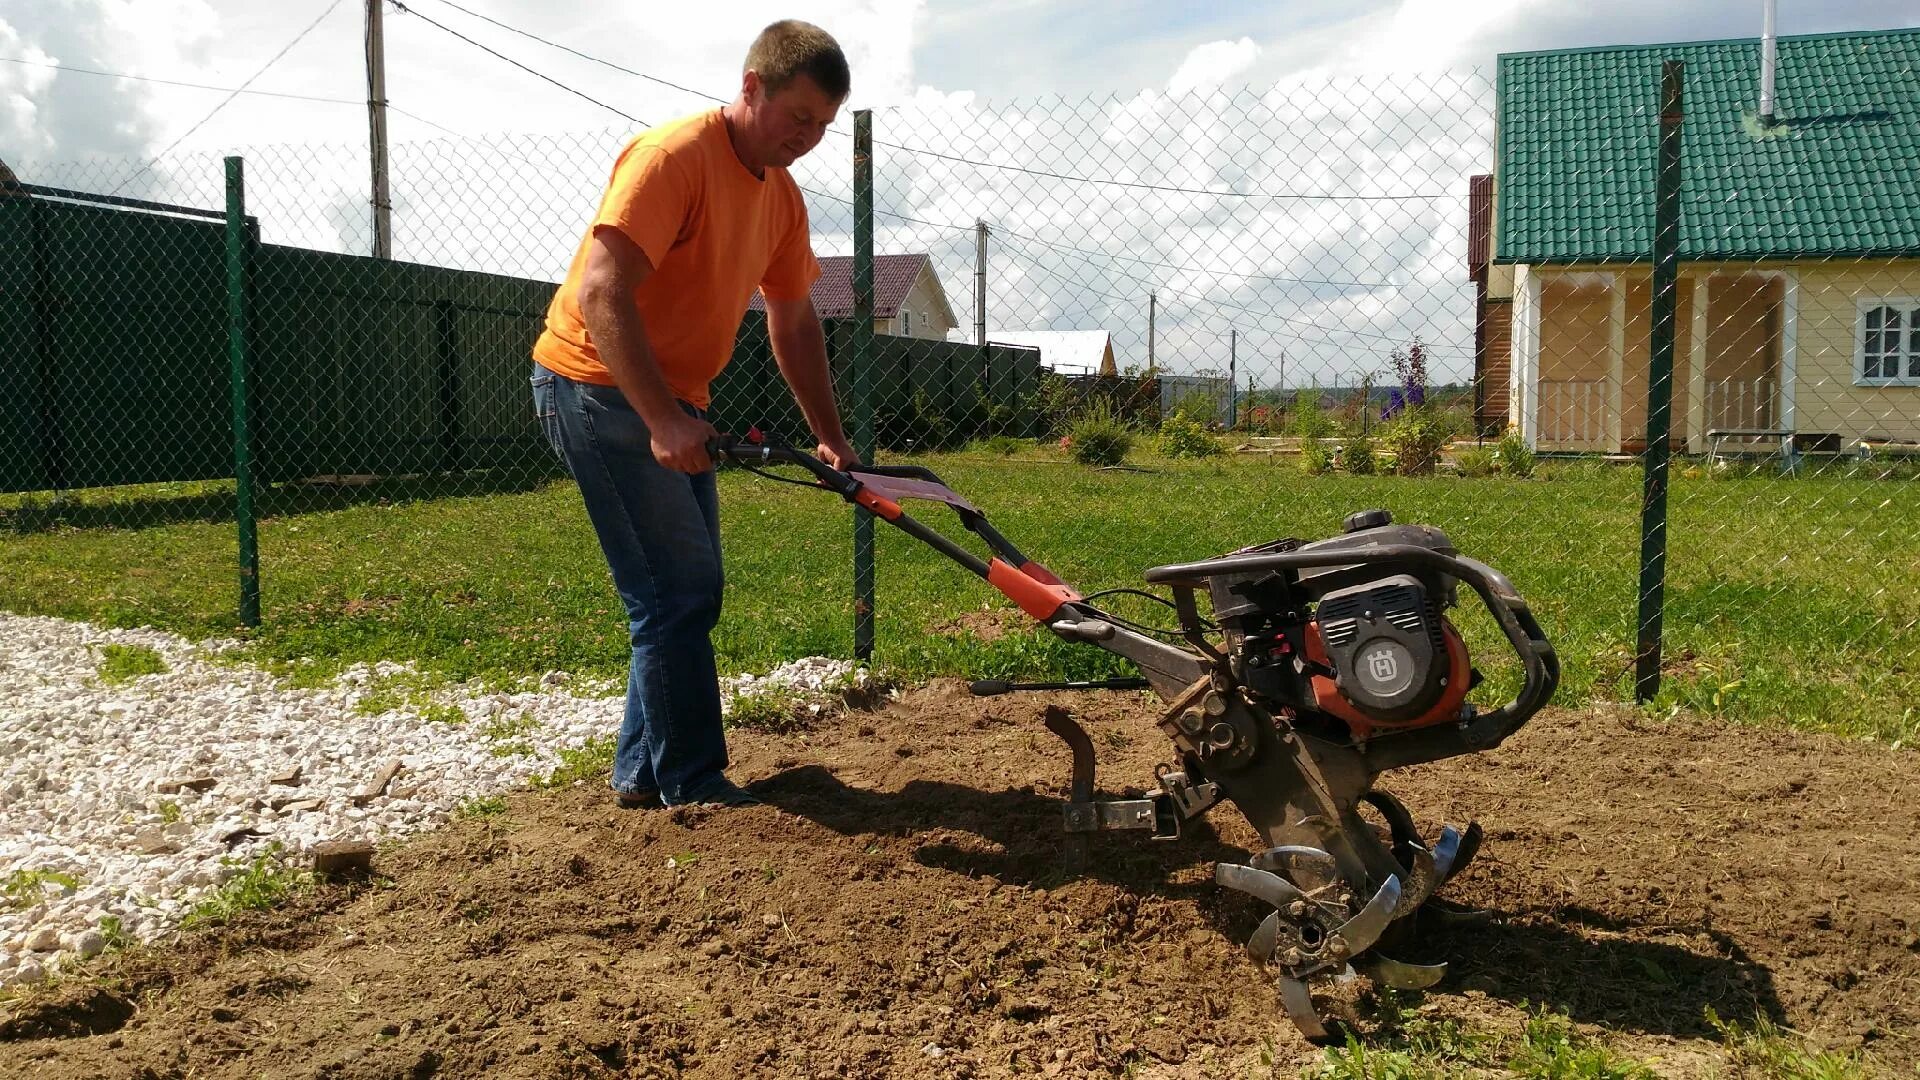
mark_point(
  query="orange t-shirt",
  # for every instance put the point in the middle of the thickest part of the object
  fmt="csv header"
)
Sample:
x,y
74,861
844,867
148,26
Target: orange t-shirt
x,y
714,233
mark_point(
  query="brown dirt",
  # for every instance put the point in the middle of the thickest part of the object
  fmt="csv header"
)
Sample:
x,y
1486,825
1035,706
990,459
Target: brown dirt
x,y
901,909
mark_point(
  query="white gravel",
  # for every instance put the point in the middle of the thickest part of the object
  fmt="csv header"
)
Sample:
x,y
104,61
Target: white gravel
x,y
82,763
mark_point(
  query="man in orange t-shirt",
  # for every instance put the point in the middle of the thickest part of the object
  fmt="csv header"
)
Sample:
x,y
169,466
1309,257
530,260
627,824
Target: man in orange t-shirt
x,y
698,214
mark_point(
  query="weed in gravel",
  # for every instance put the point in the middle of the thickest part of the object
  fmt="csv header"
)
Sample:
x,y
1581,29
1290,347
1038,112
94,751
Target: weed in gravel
x,y
125,663
592,761
169,812
22,889
481,807
266,881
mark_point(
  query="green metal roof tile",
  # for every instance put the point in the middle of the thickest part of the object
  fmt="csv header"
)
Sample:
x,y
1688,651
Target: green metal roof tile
x,y
1579,133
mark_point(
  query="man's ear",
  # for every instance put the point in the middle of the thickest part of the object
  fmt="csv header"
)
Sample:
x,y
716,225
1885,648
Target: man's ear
x,y
750,86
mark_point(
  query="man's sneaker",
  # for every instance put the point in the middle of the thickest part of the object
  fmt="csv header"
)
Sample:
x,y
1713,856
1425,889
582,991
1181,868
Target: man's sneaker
x,y
639,800
725,793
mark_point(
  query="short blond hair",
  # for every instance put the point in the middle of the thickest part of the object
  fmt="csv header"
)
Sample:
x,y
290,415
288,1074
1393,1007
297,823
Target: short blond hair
x,y
791,48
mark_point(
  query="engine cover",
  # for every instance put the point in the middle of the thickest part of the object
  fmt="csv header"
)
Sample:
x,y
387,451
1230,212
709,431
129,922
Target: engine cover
x,y
1384,643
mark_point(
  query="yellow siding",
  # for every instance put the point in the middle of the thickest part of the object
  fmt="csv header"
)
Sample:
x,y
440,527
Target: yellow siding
x,y
1825,398
1743,314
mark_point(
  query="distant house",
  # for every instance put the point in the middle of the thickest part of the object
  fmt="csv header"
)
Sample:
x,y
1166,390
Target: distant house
x,y
1067,352
1799,293
908,300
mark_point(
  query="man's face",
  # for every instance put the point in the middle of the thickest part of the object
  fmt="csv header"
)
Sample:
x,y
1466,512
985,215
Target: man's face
x,y
791,121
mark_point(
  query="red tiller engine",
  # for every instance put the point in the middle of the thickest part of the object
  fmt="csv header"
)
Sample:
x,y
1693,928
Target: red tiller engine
x,y
1368,645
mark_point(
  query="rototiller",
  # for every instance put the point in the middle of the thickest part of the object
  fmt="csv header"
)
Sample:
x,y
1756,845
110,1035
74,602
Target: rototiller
x,y
1324,665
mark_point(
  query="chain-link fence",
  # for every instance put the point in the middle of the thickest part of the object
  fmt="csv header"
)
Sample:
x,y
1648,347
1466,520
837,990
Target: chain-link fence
x,y
1434,293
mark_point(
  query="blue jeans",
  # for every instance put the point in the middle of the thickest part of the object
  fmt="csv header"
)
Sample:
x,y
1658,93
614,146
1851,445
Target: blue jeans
x,y
660,532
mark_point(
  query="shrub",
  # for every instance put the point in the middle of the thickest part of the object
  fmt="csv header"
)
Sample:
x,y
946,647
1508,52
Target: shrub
x,y
1309,420
1182,437
1414,438
1512,456
1357,454
1478,461
1314,458
1098,437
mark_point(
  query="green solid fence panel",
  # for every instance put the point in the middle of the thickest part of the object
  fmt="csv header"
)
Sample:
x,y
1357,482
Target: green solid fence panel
x,y
20,359
136,325
493,402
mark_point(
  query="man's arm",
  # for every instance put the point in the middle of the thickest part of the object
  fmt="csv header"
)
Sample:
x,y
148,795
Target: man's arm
x,y
800,348
615,268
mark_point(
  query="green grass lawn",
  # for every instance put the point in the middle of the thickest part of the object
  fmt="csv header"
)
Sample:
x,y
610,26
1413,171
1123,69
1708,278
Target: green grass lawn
x,y
1794,601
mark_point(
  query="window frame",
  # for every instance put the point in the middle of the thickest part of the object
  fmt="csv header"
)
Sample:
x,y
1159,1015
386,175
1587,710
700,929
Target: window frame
x,y
1906,356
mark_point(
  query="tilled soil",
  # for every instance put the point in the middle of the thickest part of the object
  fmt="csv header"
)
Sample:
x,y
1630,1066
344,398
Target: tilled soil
x,y
906,905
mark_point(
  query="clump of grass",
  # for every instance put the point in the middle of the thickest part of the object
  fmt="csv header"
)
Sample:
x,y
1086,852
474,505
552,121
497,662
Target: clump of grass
x,y
999,445
1476,462
1413,1047
592,761
266,881
773,711
489,806
409,691
125,663
1551,1050
22,889
1763,1049
169,812
507,734
1512,456
1315,460
1099,436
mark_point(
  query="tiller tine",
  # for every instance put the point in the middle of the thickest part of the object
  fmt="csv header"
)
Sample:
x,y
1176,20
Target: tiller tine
x,y
1399,975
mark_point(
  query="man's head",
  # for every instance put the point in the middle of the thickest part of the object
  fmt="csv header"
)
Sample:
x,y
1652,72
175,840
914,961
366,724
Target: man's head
x,y
794,82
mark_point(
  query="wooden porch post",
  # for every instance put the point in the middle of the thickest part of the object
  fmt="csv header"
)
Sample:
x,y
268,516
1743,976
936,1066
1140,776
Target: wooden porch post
x,y
1523,368
1697,368
1617,361
1789,345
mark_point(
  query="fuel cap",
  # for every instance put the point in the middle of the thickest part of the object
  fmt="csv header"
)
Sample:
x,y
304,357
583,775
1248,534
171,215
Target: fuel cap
x,y
1368,519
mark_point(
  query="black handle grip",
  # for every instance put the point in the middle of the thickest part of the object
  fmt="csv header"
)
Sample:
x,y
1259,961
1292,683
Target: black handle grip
x,y
989,687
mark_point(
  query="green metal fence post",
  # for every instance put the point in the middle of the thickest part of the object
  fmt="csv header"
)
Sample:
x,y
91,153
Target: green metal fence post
x,y
863,374
1666,266
238,251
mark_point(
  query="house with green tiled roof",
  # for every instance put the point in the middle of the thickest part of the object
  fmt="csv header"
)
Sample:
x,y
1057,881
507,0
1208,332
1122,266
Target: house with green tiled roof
x,y
1799,301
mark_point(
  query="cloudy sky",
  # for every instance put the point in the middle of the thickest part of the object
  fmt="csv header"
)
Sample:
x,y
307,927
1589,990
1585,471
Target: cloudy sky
x,y
1364,118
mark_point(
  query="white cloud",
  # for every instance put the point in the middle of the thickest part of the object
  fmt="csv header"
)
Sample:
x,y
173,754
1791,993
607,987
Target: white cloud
x,y
1213,64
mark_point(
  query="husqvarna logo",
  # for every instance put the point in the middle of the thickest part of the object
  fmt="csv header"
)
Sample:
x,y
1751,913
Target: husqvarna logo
x,y
1382,666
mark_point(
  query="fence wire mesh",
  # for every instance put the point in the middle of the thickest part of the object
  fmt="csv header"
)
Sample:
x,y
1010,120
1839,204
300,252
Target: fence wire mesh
x,y
1258,310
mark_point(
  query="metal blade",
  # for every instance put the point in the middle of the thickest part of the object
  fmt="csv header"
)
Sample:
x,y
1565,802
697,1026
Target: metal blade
x,y
1294,860
1446,915
1469,847
1402,976
1422,878
1361,931
1266,937
1299,1005
1445,850
1272,888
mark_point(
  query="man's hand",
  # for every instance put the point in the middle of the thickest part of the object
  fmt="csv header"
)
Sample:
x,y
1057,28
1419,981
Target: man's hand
x,y
680,442
837,453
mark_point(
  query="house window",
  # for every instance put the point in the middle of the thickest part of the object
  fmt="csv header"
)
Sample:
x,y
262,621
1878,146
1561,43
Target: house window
x,y
1889,342
906,323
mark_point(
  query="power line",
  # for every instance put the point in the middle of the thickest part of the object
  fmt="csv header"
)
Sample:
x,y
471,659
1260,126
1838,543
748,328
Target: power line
x,y
1205,270
593,100
297,39
502,56
177,82
924,152
1313,196
1266,314
569,49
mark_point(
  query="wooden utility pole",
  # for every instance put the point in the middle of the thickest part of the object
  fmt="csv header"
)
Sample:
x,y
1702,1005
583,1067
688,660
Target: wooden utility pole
x,y
377,131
